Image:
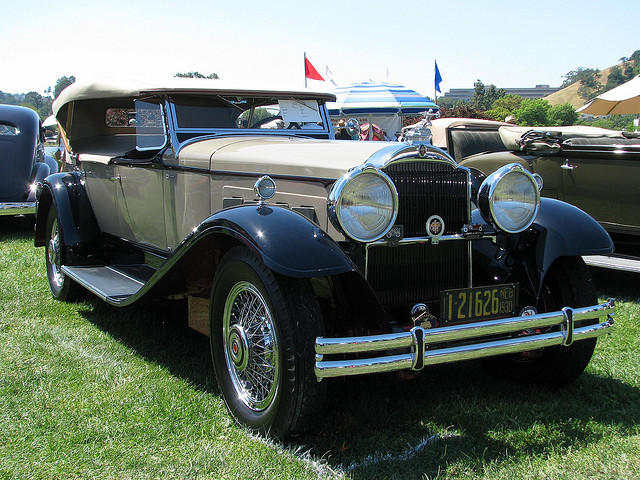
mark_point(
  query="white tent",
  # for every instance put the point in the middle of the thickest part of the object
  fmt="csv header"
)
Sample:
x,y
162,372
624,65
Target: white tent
x,y
622,100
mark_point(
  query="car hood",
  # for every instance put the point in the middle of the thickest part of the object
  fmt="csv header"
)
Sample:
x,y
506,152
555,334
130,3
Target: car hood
x,y
290,156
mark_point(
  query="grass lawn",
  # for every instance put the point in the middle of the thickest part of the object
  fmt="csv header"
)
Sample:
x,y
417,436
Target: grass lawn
x,y
91,391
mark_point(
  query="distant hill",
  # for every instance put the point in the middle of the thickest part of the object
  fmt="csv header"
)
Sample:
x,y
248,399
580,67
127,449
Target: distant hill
x,y
570,94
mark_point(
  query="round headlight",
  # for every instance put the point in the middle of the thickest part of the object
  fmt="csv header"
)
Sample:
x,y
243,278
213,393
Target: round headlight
x,y
364,204
509,198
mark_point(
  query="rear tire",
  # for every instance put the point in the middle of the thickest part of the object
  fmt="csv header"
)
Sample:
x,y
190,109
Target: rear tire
x,y
568,283
62,287
263,330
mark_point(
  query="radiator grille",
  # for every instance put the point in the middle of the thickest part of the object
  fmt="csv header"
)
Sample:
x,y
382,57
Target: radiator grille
x,y
408,274
430,188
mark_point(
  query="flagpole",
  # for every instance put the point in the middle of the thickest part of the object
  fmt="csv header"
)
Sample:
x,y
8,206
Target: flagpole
x,y
305,69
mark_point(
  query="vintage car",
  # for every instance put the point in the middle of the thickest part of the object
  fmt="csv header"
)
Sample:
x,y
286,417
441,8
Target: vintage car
x,y
22,159
595,169
303,257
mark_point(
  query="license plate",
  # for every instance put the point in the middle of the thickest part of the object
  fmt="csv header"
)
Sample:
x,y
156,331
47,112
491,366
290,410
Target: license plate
x,y
479,303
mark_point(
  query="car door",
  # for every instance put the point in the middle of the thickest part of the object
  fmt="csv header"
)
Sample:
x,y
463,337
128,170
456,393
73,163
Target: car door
x,y
140,174
605,184
101,183
187,195
140,201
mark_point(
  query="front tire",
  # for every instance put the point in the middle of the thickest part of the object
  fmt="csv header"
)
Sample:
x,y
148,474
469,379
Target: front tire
x,y
263,329
568,283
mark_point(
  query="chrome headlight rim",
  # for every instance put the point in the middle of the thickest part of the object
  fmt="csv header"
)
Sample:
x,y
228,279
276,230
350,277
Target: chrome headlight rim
x,y
487,192
336,195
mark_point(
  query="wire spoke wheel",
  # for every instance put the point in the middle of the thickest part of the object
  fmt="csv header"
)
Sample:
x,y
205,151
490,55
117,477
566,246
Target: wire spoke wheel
x,y
263,329
251,347
62,287
54,255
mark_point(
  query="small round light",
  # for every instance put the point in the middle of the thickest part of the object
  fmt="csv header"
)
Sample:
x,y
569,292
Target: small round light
x,y
265,188
539,181
509,198
364,204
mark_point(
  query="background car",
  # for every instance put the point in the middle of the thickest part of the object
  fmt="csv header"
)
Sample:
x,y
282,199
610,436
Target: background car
x,y
305,258
22,159
595,169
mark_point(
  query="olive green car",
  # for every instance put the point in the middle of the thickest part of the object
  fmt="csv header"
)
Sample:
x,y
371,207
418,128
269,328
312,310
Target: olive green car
x,y
595,169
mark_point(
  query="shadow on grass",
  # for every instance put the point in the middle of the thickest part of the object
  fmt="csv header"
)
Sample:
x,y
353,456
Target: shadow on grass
x,y
16,228
383,427
158,332
616,284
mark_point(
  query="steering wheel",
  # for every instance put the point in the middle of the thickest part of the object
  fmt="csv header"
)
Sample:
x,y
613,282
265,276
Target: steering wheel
x,y
264,121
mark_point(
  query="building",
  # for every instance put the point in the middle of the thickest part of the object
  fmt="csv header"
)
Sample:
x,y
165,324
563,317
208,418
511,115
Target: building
x,y
539,91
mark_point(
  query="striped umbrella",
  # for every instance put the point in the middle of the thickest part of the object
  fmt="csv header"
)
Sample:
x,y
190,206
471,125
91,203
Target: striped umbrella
x,y
378,97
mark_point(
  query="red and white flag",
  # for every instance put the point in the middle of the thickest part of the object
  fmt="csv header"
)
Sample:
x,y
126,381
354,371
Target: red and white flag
x,y
310,71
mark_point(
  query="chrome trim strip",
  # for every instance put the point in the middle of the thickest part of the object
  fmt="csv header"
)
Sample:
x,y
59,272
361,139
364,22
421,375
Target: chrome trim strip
x,y
410,153
17,208
433,354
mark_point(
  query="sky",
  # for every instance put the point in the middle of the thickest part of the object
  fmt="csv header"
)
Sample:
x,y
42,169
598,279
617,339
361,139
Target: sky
x,y
506,43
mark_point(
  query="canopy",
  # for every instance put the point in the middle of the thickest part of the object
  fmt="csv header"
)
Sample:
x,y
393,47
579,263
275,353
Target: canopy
x,y
50,121
378,98
622,100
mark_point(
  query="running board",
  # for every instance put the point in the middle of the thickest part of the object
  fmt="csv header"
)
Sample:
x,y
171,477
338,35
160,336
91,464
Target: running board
x,y
109,283
617,262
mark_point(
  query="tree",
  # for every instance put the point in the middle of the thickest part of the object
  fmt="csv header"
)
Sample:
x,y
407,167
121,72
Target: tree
x,y
61,84
33,99
484,97
616,77
504,106
564,114
533,112
510,102
462,110
584,75
590,87
197,75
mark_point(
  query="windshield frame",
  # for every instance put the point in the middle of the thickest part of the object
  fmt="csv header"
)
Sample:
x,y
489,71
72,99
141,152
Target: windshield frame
x,y
183,135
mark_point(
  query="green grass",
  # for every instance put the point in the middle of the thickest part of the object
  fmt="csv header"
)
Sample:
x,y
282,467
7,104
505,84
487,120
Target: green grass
x,y
90,391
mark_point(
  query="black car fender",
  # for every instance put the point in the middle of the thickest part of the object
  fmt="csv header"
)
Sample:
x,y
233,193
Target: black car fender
x,y
286,241
39,172
66,193
565,230
559,230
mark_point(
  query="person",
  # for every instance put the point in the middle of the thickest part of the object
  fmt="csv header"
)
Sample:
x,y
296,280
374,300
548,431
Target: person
x,y
341,130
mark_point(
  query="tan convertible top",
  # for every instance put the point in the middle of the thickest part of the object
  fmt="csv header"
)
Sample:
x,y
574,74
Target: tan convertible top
x,y
106,87
510,134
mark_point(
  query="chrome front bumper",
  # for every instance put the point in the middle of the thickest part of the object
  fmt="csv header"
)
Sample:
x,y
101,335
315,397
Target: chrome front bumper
x,y
17,208
470,341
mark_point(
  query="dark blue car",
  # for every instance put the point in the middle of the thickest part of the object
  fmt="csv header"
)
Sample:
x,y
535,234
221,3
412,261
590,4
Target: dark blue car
x,y
23,162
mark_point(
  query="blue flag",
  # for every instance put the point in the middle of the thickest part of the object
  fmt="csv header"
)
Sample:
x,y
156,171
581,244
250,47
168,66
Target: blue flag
x,y
438,78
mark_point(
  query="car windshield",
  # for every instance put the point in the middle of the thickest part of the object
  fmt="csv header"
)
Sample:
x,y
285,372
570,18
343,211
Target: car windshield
x,y
235,112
